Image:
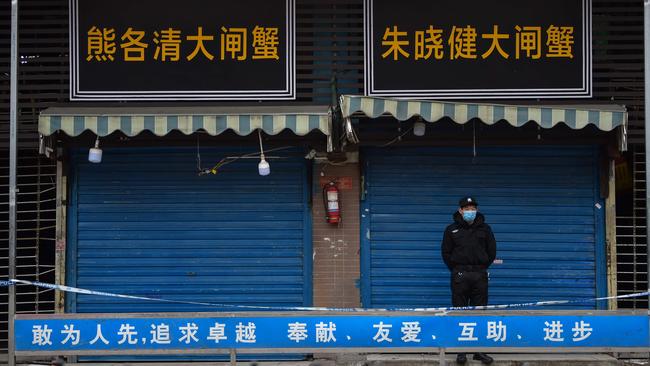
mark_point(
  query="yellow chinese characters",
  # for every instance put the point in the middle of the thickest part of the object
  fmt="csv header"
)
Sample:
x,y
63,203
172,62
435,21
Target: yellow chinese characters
x,y
495,37
171,45
233,41
168,45
528,40
132,45
200,46
464,42
429,42
101,44
560,41
391,39
265,43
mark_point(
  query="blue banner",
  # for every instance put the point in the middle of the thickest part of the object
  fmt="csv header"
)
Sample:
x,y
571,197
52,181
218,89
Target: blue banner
x,y
50,334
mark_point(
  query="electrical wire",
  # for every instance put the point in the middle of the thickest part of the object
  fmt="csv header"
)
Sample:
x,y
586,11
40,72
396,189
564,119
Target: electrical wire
x,y
198,153
228,160
474,137
259,134
329,163
398,138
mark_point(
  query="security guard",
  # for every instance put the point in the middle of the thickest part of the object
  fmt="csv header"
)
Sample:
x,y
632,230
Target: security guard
x,y
468,249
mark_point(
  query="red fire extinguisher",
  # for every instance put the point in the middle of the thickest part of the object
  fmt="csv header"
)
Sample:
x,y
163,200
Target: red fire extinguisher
x,y
332,203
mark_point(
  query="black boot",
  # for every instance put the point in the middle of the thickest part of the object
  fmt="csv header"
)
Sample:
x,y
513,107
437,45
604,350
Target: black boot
x,y
485,359
461,359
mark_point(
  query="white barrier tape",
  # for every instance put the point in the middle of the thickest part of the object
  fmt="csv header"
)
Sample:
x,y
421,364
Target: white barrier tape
x,y
108,294
303,308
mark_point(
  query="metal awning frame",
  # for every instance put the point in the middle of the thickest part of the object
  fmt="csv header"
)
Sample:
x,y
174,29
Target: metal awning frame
x,y
603,117
131,121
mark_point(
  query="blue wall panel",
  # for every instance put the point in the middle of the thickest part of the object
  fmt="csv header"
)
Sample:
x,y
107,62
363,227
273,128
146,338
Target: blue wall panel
x,y
145,224
540,202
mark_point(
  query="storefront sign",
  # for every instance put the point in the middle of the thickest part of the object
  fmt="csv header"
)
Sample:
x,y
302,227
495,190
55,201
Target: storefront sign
x,y
478,49
187,334
192,49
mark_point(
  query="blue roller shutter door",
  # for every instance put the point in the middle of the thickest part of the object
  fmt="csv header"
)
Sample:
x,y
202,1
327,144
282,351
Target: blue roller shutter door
x,y
143,223
542,203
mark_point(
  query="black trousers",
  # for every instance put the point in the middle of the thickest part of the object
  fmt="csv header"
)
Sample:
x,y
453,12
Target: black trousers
x,y
469,288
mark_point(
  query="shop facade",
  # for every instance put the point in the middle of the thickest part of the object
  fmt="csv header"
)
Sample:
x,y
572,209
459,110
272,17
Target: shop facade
x,y
150,221
178,209
545,200
145,219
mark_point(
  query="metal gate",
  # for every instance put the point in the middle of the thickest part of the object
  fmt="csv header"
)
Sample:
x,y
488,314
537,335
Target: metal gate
x,y
143,223
542,202
35,223
631,239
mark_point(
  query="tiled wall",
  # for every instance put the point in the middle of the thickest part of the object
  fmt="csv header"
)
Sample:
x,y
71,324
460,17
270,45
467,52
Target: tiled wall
x,y
336,247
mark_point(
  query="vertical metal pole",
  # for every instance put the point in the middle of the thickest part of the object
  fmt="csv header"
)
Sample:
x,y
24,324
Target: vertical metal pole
x,y
13,127
646,75
233,357
442,361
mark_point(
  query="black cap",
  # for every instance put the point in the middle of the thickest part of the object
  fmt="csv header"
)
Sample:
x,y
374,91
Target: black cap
x,y
467,201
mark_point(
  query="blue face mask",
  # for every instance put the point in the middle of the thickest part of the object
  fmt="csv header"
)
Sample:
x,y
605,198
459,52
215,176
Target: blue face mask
x,y
469,216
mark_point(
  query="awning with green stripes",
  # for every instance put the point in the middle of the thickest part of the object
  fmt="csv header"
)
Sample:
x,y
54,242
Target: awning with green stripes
x,y
160,121
606,118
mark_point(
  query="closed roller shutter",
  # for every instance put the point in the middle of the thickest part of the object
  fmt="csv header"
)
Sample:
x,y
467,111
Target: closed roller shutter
x,y
542,203
143,223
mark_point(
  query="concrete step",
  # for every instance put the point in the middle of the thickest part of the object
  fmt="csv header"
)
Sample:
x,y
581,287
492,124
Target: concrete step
x,y
544,359
241,363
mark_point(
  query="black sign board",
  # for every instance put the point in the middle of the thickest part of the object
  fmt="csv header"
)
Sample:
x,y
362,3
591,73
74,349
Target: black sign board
x,y
181,50
478,48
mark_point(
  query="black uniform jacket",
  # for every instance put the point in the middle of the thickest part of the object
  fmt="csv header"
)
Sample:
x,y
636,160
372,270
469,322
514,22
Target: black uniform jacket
x,y
468,247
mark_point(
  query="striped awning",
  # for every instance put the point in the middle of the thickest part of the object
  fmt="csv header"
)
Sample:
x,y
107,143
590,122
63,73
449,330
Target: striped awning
x,y
160,121
605,118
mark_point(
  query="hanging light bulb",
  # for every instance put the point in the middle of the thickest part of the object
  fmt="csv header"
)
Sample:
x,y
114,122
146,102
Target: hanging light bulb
x,y
419,128
263,167
95,153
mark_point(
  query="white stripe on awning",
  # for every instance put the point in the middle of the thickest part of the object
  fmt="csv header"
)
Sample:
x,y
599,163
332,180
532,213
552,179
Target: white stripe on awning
x,y
160,121
605,118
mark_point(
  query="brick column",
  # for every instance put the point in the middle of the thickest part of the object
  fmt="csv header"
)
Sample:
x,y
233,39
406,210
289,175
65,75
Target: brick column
x,y
336,247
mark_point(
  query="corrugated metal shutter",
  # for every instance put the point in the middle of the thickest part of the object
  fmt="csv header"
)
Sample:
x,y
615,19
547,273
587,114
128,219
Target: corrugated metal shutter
x,y
143,223
542,204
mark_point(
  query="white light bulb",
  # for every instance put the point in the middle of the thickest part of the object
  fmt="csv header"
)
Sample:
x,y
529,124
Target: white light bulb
x,y
419,128
95,153
264,168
